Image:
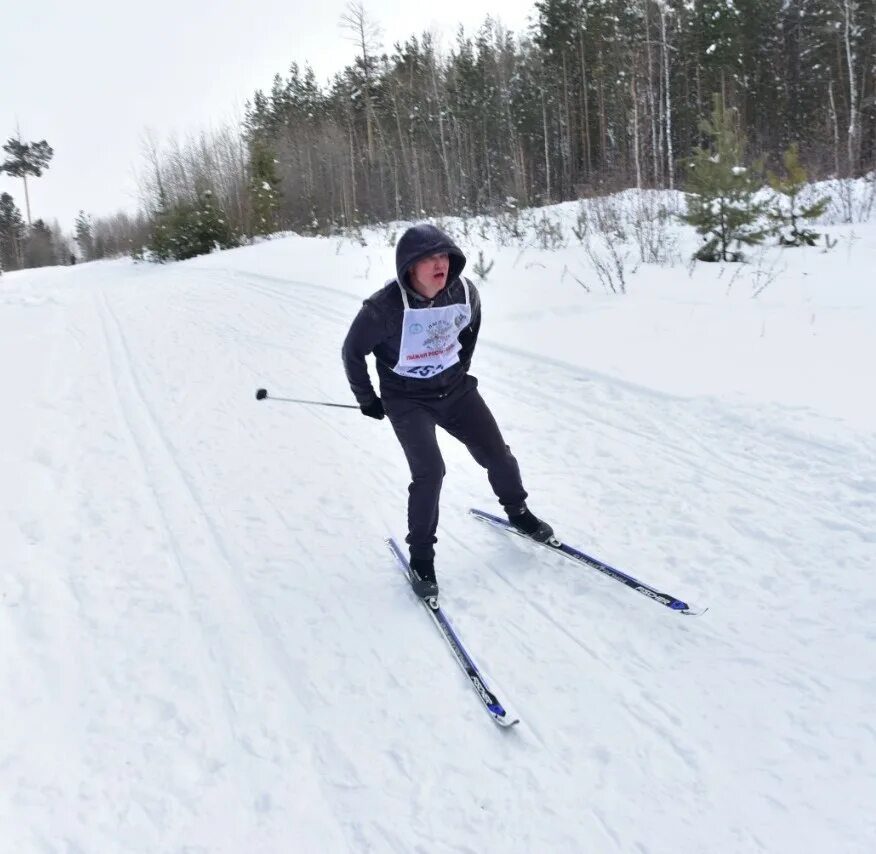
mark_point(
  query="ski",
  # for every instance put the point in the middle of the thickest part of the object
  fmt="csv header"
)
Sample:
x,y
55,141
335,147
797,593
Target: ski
x,y
556,545
495,709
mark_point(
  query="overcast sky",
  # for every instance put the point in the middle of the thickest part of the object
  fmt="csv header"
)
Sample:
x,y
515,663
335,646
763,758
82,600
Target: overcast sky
x,y
91,76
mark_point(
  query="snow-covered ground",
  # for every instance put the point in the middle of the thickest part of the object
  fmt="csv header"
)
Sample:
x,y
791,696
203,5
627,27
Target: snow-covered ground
x,y
206,646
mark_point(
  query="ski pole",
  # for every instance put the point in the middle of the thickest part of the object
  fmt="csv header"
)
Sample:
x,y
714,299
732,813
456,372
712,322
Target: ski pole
x,y
262,393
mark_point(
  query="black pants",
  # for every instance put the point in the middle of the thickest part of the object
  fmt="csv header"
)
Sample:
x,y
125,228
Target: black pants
x,y
464,415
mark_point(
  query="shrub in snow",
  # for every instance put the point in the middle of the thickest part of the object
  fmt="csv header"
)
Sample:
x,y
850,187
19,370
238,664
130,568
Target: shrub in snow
x,y
549,233
650,218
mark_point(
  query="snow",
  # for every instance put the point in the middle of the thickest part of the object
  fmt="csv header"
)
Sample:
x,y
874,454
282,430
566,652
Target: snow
x,y
207,646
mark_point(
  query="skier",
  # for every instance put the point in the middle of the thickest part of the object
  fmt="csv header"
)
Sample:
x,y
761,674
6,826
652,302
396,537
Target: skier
x,y
422,327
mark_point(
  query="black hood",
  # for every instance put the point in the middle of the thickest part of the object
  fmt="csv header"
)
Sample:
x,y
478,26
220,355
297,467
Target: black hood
x,y
420,241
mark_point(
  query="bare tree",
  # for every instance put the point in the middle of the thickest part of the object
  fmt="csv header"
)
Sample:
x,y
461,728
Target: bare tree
x,y
849,7
652,100
666,94
835,124
365,33
441,106
634,97
181,172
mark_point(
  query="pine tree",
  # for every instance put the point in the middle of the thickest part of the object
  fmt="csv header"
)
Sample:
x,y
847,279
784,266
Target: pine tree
x,y
26,158
12,232
61,247
84,237
720,190
211,227
186,230
39,247
788,213
160,244
264,188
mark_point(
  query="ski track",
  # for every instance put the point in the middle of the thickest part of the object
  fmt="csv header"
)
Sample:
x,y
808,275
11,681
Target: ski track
x,y
224,646
296,691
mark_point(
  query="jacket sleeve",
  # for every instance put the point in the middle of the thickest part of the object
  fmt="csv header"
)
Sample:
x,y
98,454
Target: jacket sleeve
x,y
469,336
366,332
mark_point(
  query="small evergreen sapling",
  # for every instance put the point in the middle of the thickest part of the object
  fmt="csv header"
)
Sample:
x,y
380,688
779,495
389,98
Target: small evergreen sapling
x,y
481,268
721,191
791,210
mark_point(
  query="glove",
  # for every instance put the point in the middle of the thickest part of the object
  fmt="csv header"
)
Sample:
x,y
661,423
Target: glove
x,y
373,409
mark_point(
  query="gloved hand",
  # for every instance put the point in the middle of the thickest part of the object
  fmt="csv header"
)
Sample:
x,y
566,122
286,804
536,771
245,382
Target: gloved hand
x,y
373,409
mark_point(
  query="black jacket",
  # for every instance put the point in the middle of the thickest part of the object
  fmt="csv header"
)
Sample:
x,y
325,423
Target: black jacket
x,y
377,328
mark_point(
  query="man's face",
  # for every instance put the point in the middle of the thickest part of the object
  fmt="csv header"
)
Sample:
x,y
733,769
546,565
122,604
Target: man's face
x,y
429,275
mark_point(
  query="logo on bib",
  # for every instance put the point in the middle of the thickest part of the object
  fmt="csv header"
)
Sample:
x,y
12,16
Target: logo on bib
x,y
439,333
415,329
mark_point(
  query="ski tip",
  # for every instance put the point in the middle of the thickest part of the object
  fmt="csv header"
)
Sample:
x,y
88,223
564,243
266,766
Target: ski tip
x,y
682,607
693,611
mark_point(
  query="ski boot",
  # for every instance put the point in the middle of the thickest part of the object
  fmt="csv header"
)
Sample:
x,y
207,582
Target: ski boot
x,y
530,525
423,578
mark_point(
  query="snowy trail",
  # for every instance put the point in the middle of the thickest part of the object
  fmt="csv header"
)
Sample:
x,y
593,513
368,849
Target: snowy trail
x,y
219,668
172,724
659,441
